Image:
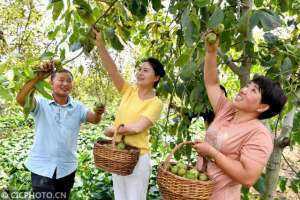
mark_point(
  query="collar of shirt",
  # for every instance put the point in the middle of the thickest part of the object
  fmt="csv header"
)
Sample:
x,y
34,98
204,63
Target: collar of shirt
x,y
69,103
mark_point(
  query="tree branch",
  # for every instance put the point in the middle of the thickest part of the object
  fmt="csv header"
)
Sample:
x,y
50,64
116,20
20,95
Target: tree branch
x,y
228,61
170,103
26,26
72,58
287,162
106,12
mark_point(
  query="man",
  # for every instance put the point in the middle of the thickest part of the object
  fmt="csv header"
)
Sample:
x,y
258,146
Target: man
x,y
52,159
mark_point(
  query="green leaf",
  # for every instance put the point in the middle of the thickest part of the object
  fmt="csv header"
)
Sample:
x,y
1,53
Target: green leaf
x,y
47,55
62,55
179,90
286,65
124,32
67,20
57,8
195,20
138,8
284,5
3,67
116,44
249,48
156,5
254,19
295,136
41,88
110,32
166,87
216,18
295,185
282,183
4,93
258,3
260,185
80,69
52,34
114,39
85,11
268,21
188,28
184,58
270,38
196,94
28,106
202,3
83,4
28,72
245,193
188,71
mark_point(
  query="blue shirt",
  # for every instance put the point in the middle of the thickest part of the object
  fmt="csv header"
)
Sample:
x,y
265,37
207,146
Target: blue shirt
x,y
55,141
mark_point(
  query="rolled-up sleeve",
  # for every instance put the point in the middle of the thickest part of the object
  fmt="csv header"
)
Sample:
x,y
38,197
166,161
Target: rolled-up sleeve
x,y
258,148
83,112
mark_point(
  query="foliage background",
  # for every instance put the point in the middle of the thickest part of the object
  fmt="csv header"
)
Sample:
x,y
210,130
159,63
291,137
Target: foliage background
x,y
259,37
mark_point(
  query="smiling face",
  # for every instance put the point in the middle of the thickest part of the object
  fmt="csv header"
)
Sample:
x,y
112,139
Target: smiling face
x,y
62,84
146,76
249,99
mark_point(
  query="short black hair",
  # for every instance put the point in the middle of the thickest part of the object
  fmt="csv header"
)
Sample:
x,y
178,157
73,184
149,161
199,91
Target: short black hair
x,y
157,67
271,94
60,71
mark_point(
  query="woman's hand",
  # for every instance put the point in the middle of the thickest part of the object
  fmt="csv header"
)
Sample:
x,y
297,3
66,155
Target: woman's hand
x,y
211,48
99,39
125,130
109,132
204,149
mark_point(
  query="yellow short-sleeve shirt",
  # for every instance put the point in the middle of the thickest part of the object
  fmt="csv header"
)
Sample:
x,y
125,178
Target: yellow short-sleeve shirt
x,y
131,109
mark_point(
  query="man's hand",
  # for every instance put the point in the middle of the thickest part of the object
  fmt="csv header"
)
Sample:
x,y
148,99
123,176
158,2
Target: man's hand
x,y
45,70
99,110
95,117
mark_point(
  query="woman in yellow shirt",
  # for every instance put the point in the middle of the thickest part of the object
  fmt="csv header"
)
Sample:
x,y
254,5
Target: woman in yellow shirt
x,y
139,109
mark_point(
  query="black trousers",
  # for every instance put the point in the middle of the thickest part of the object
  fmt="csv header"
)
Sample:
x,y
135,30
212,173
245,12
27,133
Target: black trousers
x,y
45,188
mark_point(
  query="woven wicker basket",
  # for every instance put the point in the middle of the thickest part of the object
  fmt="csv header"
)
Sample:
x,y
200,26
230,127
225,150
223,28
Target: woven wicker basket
x,y
173,187
108,158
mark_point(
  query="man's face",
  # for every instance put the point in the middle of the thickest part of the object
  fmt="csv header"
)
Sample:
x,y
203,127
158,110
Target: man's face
x,y
62,84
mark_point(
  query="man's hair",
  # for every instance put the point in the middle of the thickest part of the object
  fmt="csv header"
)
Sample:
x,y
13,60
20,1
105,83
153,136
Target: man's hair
x,y
60,71
271,94
157,67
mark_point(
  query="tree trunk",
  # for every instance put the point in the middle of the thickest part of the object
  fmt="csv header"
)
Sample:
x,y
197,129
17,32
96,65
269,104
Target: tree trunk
x,y
246,64
274,164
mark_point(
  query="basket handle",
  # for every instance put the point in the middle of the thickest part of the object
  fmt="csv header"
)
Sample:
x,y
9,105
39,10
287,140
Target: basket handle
x,y
178,146
115,136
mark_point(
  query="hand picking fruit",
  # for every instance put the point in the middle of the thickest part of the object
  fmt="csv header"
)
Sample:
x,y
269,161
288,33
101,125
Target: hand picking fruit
x,y
212,35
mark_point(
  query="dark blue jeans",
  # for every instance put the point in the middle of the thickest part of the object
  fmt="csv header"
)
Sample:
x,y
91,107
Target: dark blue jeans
x,y
45,188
